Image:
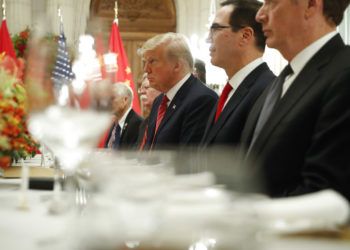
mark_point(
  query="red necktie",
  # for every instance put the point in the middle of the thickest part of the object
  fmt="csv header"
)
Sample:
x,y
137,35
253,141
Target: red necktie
x,y
161,111
144,139
223,97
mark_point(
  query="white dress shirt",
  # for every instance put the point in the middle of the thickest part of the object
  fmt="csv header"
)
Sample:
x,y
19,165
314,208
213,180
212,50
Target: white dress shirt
x,y
302,58
238,78
121,121
172,92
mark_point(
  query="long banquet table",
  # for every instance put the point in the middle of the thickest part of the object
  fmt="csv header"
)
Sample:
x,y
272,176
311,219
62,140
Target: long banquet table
x,y
34,227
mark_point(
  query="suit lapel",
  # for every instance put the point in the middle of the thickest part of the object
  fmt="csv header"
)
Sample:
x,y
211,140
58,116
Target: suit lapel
x,y
109,134
125,126
252,119
234,101
153,119
176,102
303,82
210,124
230,107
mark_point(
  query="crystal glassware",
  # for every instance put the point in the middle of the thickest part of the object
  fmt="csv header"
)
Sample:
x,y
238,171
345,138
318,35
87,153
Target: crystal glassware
x,y
69,107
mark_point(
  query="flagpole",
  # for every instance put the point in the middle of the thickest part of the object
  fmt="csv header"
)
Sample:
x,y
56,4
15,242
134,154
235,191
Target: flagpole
x,y
116,12
60,16
3,9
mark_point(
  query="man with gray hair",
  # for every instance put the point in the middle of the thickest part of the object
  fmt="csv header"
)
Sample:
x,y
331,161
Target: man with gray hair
x,y
298,130
179,114
124,131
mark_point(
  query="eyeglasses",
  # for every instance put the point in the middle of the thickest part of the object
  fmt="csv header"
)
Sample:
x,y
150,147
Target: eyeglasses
x,y
215,26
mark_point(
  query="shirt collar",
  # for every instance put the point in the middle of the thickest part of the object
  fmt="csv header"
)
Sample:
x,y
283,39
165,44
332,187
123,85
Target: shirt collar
x,y
238,78
122,120
301,59
172,92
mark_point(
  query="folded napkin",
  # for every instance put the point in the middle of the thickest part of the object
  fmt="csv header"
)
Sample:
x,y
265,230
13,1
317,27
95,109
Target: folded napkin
x,y
321,210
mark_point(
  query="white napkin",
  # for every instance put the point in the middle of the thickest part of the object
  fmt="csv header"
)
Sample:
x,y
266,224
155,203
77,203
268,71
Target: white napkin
x,y
320,210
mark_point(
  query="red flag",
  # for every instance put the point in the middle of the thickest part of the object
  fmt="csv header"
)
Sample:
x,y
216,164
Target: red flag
x,y
124,72
6,42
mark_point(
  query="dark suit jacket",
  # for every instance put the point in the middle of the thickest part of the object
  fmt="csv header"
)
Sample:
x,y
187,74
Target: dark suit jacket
x,y
304,145
185,118
228,128
142,129
130,131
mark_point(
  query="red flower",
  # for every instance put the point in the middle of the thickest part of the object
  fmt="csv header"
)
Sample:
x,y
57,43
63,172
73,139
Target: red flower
x,y
24,34
5,161
12,66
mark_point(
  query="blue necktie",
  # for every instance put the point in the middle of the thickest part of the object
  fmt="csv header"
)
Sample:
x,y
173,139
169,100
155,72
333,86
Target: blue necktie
x,y
116,136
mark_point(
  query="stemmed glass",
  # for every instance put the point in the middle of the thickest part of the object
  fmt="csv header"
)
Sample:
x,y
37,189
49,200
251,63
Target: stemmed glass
x,y
68,116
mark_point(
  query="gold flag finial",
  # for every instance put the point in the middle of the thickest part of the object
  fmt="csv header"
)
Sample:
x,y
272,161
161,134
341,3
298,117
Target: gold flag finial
x,y
116,10
3,9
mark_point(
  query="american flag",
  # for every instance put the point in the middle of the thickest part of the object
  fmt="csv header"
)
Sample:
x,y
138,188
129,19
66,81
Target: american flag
x,y
62,73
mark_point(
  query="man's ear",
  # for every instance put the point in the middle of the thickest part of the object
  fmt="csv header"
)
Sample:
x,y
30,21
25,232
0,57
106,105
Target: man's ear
x,y
125,100
312,7
246,34
177,65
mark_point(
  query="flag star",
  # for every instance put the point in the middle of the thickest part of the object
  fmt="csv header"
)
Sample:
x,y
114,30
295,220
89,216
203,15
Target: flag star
x,y
127,82
128,70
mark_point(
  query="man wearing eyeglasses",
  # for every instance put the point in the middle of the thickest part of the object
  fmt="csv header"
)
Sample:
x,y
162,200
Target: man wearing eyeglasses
x,y
237,46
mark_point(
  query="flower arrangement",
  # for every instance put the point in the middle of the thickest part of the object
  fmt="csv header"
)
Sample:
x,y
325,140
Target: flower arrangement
x,y
15,141
20,41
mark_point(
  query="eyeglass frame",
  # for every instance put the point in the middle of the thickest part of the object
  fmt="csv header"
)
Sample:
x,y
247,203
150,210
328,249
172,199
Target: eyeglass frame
x,y
215,27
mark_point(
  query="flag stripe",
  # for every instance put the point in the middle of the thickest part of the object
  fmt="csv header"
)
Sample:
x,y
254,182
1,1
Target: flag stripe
x,y
62,72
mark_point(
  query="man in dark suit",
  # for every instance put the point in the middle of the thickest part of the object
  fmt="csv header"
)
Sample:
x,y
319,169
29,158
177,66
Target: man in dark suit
x,y
147,96
299,131
125,129
179,114
237,46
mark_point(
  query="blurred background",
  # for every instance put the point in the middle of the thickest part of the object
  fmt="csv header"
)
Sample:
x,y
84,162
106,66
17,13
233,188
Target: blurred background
x,y
138,21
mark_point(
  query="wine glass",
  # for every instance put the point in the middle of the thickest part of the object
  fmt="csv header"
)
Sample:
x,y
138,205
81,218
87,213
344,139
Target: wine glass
x,y
70,109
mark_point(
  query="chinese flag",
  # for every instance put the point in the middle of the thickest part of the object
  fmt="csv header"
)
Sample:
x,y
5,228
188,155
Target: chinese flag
x,y
124,72
5,41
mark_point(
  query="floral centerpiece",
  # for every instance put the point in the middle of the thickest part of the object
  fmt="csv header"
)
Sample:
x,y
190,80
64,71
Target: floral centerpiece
x,y
20,41
15,141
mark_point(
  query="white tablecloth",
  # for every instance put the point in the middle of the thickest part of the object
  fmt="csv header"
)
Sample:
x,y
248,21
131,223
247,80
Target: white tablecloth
x,y
30,229
36,228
